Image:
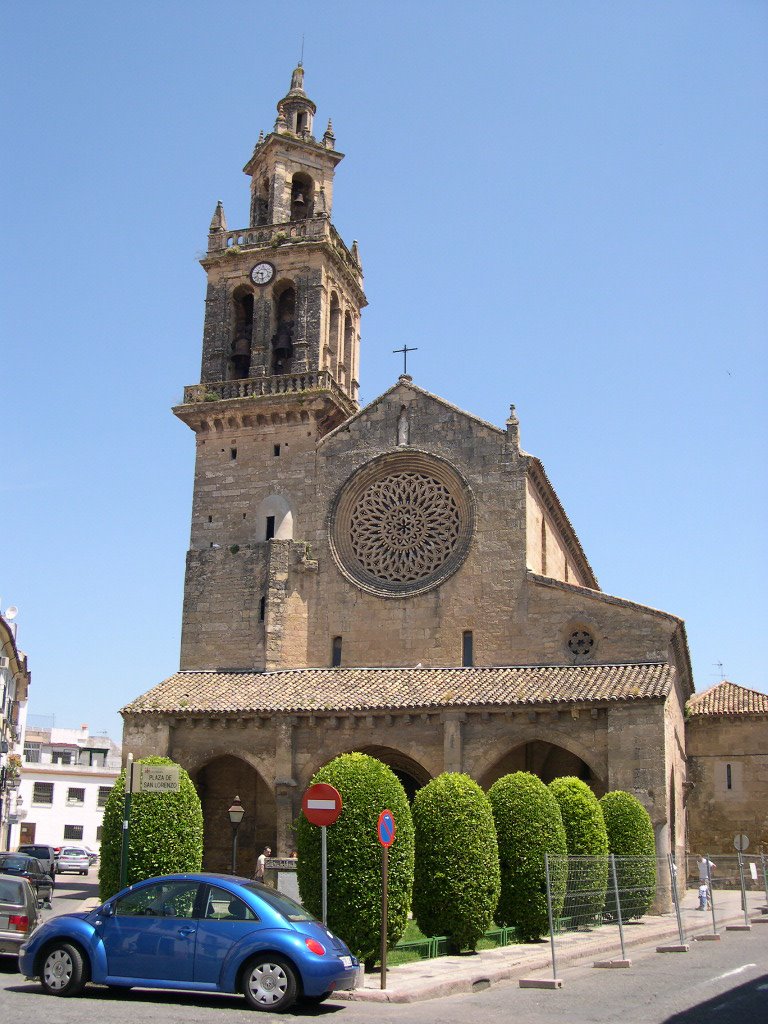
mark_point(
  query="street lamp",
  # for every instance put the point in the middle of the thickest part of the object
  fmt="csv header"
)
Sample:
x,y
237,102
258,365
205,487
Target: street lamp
x,y
236,812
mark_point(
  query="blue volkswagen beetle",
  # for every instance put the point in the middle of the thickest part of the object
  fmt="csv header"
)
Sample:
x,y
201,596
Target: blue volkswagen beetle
x,y
200,932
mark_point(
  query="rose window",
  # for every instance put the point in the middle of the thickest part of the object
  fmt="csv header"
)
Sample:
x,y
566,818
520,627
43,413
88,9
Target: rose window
x,y
581,643
402,524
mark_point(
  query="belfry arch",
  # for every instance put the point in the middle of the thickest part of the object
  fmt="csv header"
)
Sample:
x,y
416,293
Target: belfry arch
x,y
549,760
218,782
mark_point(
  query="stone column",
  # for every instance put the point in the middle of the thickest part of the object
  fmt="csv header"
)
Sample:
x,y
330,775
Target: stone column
x,y
285,787
452,741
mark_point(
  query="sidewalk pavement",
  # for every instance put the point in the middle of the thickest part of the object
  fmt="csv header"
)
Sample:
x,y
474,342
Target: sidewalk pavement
x,y
448,975
471,972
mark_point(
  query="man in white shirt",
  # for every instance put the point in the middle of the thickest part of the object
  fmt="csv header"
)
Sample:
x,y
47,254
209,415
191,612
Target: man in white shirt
x,y
261,864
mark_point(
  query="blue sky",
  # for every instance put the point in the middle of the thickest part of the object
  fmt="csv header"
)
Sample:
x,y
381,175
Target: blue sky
x,y
562,204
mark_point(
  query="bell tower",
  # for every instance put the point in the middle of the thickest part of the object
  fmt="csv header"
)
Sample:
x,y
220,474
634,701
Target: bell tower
x,y
280,367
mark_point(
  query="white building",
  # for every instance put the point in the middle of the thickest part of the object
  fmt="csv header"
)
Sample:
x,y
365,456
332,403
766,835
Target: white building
x,y
66,778
14,684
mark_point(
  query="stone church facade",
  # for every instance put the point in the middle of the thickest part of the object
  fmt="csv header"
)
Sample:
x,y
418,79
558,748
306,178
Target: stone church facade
x,y
399,579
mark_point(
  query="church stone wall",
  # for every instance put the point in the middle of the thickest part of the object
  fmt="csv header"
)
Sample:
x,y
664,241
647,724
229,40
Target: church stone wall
x,y
717,813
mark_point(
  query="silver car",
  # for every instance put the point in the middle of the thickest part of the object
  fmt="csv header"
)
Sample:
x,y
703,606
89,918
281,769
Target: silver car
x,y
18,913
73,858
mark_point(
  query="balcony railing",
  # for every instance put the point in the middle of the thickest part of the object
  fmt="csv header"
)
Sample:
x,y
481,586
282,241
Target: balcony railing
x,y
259,387
314,229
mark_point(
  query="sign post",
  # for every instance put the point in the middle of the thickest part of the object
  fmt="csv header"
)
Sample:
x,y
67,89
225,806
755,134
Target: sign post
x,y
322,806
127,794
386,831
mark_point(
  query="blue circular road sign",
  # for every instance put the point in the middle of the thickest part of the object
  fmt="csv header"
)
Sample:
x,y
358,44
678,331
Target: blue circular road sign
x,y
386,828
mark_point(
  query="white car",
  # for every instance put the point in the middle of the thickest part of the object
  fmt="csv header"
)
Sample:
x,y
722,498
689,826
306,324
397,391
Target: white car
x,y
74,859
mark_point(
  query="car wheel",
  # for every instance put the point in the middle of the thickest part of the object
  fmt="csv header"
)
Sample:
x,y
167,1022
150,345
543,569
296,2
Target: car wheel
x,y
269,983
62,972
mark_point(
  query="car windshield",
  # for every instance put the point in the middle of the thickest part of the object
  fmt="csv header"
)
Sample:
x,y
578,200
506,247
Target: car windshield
x,y
37,851
73,853
11,892
284,905
14,862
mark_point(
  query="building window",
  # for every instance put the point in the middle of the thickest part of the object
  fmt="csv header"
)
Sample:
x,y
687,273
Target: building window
x,y
233,454
61,757
32,752
42,793
99,830
336,652
270,527
75,796
104,792
73,831
580,643
467,652
276,450
262,609
728,777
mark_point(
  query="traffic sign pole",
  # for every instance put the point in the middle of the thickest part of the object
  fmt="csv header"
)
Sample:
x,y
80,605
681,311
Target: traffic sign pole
x,y
324,871
386,832
384,884
127,794
322,806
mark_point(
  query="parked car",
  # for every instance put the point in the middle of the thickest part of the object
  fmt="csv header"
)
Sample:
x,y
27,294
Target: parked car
x,y
18,913
23,866
93,855
45,854
74,859
203,932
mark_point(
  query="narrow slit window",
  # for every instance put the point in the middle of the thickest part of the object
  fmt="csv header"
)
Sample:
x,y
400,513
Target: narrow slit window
x,y
233,453
467,652
270,527
728,777
336,652
276,450
262,609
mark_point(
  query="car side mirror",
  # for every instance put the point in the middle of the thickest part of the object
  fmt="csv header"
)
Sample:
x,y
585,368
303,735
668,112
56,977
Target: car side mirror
x,y
108,910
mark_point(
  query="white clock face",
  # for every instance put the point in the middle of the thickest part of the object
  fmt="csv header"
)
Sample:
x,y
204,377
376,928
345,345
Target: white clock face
x,y
262,273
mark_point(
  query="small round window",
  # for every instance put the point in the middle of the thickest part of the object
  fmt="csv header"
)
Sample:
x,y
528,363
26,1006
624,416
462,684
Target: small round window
x,y
580,643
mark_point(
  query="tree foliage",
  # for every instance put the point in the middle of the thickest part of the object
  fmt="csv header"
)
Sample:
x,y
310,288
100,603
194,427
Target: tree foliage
x,y
165,832
528,825
631,839
587,839
367,787
457,881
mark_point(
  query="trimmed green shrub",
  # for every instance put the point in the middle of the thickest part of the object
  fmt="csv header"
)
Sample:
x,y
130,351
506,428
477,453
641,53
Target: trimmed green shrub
x,y
586,837
631,839
367,787
456,881
528,825
165,832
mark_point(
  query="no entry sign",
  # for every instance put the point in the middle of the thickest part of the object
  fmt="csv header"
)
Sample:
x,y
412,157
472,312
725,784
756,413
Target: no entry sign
x,y
321,804
386,828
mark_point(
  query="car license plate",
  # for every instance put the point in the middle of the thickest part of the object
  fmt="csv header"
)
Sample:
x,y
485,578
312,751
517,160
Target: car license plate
x,y
346,960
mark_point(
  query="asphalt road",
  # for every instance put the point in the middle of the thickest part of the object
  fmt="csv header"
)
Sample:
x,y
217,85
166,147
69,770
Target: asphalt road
x,y
715,983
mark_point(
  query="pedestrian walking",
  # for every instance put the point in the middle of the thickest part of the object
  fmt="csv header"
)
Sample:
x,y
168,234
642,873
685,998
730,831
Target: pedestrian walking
x,y
261,863
706,867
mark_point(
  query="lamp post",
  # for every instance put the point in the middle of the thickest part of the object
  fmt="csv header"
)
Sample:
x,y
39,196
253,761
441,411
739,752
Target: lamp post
x,y
236,812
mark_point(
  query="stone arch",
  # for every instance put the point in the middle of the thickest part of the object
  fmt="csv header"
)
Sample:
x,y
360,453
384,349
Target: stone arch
x,y
274,518
410,772
548,755
218,781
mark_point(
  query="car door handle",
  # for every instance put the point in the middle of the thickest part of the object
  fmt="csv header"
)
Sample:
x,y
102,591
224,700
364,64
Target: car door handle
x,y
187,931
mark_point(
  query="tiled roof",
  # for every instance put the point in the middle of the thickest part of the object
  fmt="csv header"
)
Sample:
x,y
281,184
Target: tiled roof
x,y
367,689
728,699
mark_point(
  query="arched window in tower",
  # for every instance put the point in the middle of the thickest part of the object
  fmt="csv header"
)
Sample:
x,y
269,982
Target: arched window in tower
x,y
260,202
334,325
240,360
282,339
345,356
302,196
